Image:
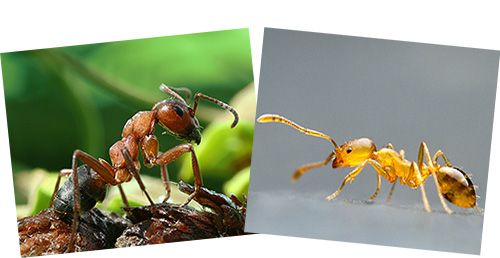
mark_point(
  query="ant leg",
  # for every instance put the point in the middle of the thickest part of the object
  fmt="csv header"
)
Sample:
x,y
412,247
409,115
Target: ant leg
x,y
166,182
76,202
172,155
102,168
63,172
124,197
120,188
378,188
423,149
351,177
218,102
355,172
390,193
165,179
304,168
380,170
440,153
96,166
416,170
131,168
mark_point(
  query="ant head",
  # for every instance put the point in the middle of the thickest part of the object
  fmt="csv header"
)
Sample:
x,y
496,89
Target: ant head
x,y
456,187
178,118
353,153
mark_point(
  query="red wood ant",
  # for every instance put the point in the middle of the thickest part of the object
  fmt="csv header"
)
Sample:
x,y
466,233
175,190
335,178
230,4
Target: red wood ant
x,y
452,183
88,185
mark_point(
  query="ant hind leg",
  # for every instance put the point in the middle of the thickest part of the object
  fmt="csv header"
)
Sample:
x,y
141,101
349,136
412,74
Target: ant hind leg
x,y
63,172
424,150
415,169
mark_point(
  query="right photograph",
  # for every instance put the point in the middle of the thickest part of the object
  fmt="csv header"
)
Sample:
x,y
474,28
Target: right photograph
x,y
372,141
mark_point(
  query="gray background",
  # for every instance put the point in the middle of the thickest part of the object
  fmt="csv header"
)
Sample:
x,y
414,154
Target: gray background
x,y
392,92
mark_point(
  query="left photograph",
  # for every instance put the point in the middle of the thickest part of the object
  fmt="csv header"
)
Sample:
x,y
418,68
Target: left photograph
x,y
130,143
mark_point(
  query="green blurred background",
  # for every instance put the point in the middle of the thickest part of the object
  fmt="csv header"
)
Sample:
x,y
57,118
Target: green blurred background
x,y
79,97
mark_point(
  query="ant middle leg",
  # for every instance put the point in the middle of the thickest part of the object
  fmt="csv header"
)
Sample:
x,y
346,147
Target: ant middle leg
x,y
172,155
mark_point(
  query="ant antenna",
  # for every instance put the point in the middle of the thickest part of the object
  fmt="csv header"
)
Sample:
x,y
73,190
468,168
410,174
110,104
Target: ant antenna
x,y
173,92
268,118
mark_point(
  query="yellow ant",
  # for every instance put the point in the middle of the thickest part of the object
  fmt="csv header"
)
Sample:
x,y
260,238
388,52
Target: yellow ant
x,y
452,183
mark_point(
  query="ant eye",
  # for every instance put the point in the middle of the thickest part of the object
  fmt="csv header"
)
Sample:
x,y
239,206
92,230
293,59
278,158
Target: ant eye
x,y
349,150
179,110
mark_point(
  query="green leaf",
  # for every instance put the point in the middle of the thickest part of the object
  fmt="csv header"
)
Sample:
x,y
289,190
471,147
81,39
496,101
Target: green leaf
x,y
222,152
238,184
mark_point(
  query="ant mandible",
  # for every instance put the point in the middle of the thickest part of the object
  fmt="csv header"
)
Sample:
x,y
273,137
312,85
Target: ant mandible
x,y
452,183
174,115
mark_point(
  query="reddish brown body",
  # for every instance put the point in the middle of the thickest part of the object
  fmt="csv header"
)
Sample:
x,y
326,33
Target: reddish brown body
x,y
173,114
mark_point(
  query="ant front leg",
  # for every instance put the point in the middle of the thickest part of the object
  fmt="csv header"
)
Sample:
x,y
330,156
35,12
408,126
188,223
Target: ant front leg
x,y
132,169
173,154
380,170
149,150
378,188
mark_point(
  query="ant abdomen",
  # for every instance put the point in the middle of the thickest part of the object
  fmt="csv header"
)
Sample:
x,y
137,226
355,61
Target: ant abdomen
x,y
456,187
91,192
